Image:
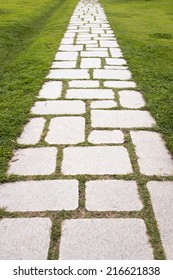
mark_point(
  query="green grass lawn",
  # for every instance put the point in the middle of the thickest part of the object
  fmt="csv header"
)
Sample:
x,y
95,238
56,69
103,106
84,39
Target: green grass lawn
x,y
144,29
30,33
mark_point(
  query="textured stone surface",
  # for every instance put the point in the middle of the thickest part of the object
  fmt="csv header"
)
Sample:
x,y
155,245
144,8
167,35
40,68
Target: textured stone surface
x,y
115,61
51,195
66,56
71,48
162,196
121,118
112,195
51,90
33,161
94,54
90,94
96,160
66,130
103,104
153,157
131,99
32,132
62,107
68,74
104,239
84,84
90,63
64,64
24,238
119,84
112,74
104,136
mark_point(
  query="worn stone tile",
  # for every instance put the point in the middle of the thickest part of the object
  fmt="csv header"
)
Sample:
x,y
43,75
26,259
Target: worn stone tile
x,y
131,99
103,104
84,84
153,157
96,160
94,53
32,132
67,41
66,130
51,90
33,161
90,63
45,195
68,74
112,74
161,197
106,137
25,238
71,48
64,64
86,42
109,44
60,107
116,61
90,94
66,56
119,84
112,195
104,239
116,52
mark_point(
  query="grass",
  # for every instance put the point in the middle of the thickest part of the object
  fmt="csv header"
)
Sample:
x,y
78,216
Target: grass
x,y
30,33
144,31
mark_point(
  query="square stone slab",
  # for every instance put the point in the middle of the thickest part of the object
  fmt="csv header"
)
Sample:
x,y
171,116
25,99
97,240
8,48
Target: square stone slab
x,y
103,104
33,161
66,56
51,90
131,99
61,107
90,94
32,132
90,63
47,195
121,119
25,238
112,195
106,137
161,197
66,130
99,160
153,156
68,74
104,239
112,74
119,84
84,84
63,64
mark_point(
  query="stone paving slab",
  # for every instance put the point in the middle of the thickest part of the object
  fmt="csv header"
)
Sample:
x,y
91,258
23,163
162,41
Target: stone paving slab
x,y
51,90
116,61
121,119
66,130
106,137
64,64
66,56
104,239
103,104
94,53
112,195
68,74
97,160
119,84
84,84
45,195
32,132
71,48
153,157
112,74
33,161
62,107
90,63
131,99
24,238
90,94
161,197
116,52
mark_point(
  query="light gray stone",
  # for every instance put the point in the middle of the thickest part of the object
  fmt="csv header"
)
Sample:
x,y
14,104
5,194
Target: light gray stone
x,y
60,107
84,84
67,41
97,49
64,64
25,238
153,157
116,61
112,74
161,197
66,130
116,52
69,35
71,48
120,84
109,67
51,90
46,195
66,55
131,99
108,44
32,132
33,161
90,94
68,74
90,63
121,119
104,239
94,53
112,195
86,42
97,160
106,137
103,104
92,46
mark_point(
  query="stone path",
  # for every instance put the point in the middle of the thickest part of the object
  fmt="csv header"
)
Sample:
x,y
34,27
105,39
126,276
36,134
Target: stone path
x,y
87,148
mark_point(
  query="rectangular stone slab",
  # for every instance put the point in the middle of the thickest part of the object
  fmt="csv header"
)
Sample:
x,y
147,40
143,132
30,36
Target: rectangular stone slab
x,y
90,94
68,74
112,74
99,160
121,119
